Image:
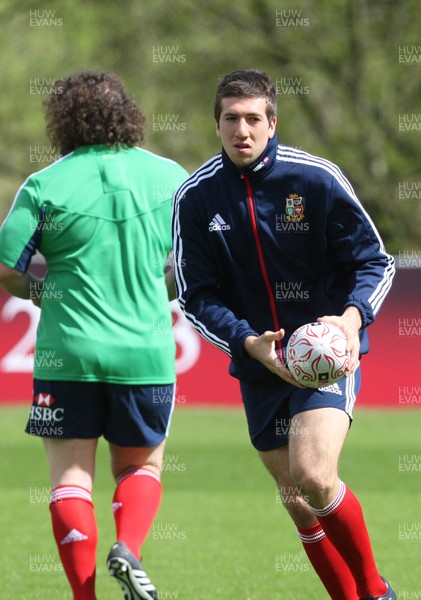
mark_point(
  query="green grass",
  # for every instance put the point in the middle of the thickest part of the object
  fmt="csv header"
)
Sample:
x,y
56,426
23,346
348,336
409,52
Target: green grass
x,y
220,527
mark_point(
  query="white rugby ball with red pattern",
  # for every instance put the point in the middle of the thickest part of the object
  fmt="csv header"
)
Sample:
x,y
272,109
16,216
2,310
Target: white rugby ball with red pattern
x,y
316,354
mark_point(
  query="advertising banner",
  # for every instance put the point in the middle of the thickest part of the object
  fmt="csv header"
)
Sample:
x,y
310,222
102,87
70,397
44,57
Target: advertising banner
x,y
391,373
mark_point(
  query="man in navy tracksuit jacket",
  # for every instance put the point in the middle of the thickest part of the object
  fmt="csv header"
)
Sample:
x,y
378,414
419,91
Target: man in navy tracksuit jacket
x,y
267,238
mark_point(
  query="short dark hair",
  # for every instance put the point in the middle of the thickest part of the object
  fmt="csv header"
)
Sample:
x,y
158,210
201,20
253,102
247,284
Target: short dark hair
x,y
246,83
89,108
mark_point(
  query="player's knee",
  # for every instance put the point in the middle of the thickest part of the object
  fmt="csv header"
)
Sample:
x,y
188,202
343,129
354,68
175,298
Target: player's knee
x,y
153,468
120,472
312,482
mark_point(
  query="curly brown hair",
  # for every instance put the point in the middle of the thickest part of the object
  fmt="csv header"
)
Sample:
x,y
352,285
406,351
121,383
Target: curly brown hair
x,y
89,108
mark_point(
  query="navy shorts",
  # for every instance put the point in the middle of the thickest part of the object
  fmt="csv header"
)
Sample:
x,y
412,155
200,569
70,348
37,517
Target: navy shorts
x,y
270,406
127,415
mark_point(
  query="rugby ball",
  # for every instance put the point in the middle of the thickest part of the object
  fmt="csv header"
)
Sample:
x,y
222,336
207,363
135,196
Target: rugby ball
x,y
316,354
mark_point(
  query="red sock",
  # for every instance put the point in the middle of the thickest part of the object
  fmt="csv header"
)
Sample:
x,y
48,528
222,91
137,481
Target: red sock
x,y
135,504
343,522
328,564
75,532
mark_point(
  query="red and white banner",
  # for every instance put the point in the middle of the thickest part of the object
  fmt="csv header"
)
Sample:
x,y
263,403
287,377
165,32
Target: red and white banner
x,y
391,373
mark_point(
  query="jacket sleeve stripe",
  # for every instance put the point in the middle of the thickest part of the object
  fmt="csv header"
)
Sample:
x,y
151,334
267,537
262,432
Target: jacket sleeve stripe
x,y
204,332
177,246
208,170
298,156
384,286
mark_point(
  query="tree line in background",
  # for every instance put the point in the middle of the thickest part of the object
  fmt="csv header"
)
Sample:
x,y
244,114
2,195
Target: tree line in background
x,y
347,73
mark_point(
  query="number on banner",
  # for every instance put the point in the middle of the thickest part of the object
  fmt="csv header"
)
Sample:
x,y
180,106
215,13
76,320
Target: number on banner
x,y
20,358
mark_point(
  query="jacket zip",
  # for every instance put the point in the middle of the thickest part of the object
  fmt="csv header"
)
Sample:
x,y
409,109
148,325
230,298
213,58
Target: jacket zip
x,y
272,301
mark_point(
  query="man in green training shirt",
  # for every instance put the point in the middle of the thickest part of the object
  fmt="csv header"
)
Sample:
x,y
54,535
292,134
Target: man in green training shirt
x,y
104,354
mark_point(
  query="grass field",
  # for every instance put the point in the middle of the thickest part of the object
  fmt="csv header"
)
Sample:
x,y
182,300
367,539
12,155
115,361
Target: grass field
x,y
220,532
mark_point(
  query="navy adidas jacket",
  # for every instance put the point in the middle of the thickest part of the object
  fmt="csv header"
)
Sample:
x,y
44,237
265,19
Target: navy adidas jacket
x,y
276,244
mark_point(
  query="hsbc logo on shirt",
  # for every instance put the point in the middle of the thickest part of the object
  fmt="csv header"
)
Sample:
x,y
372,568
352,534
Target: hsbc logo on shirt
x,y
42,410
44,399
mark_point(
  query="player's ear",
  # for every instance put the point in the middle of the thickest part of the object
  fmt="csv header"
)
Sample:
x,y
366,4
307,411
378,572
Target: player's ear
x,y
218,131
272,127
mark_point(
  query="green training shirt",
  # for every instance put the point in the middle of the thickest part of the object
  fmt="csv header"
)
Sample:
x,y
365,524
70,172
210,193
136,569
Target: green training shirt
x,y
101,218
